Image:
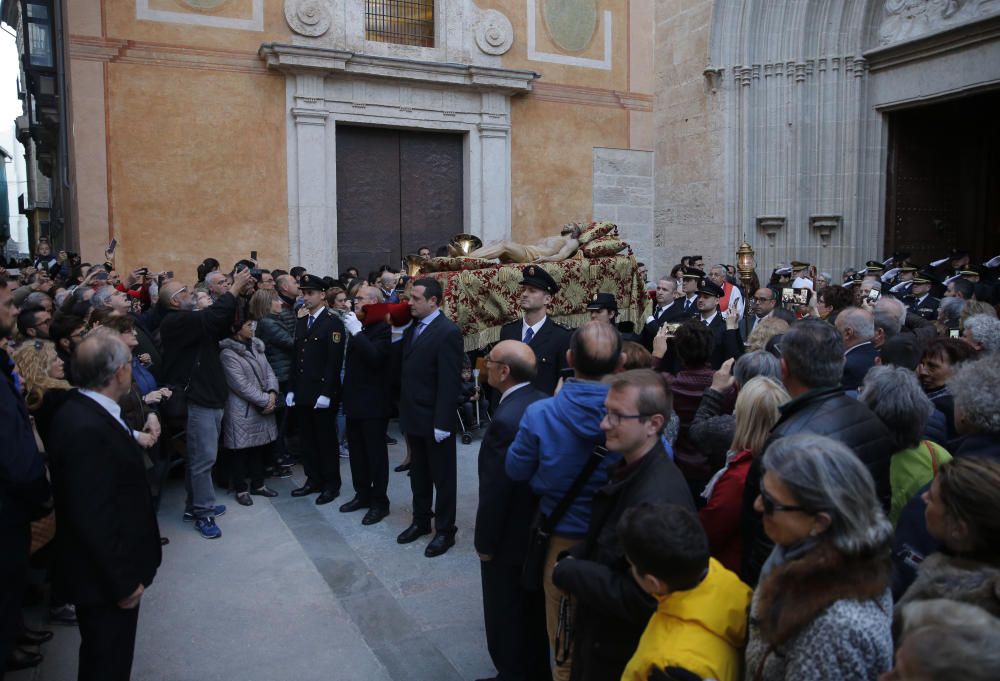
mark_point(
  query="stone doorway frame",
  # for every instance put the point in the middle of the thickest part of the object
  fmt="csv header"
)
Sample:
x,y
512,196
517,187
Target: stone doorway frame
x,y
324,87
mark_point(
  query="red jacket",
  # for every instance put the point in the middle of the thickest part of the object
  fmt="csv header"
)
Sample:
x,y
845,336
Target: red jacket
x,y
721,515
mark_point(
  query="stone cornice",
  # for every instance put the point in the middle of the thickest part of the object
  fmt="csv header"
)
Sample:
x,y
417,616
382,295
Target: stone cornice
x,y
320,61
950,40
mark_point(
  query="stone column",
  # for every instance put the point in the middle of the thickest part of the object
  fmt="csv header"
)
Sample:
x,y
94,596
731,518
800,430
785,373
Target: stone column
x,y
494,181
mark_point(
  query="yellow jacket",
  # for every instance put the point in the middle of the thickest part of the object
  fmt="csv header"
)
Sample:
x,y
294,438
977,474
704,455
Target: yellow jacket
x,y
702,630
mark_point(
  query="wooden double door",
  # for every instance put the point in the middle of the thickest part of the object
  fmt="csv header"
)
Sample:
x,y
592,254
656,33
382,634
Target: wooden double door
x,y
944,179
397,190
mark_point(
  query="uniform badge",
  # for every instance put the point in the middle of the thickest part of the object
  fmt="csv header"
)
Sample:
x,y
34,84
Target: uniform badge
x,y
336,336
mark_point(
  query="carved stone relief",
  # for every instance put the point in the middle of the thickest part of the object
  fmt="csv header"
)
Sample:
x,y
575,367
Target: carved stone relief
x,y
908,19
494,32
308,17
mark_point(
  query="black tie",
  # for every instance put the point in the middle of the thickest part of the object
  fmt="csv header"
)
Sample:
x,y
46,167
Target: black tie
x,y
309,324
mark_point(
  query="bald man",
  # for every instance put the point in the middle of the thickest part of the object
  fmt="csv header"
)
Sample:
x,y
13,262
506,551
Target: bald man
x,y
515,633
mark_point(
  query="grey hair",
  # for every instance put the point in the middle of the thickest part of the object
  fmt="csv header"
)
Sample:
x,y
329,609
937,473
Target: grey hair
x,y
975,387
754,364
102,297
98,356
948,639
984,329
825,476
814,353
952,308
890,313
827,277
35,299
895,395
861,321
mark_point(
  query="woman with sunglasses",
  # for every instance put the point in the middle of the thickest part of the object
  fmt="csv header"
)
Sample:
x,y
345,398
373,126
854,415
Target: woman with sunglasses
x,y
822,609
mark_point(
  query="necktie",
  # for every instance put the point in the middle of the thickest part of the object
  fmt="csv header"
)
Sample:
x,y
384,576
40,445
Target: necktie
x,y
419,330
529,334
309,324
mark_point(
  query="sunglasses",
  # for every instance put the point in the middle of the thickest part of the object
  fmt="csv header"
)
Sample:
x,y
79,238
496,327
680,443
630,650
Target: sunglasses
x,y
771,506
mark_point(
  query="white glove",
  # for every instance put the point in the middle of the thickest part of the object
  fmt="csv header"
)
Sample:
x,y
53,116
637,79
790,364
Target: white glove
x,y
322,402
352,323
440,435
290,400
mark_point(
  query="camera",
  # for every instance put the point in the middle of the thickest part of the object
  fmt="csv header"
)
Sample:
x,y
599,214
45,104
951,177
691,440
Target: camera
x,y
791,297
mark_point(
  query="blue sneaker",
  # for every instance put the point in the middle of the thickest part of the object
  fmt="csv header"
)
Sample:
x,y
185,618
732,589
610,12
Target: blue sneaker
x,y
207,528
189,515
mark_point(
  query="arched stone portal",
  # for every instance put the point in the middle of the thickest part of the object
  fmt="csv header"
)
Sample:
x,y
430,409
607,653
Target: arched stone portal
x,y
787,141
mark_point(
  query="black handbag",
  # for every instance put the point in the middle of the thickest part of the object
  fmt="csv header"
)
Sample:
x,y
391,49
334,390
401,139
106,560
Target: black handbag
x,y
541,531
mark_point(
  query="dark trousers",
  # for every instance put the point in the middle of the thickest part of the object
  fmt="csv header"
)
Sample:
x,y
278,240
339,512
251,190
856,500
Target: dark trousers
x,y
515,624
13,572
107,642
249,463
320,446
432,467
369,459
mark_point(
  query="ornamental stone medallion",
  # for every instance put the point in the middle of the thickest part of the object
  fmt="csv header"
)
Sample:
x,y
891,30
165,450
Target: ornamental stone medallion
x,y
494,33
908,19
571,23
308,17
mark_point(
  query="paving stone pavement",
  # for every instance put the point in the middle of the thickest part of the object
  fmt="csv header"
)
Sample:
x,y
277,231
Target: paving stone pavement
x,y
299,592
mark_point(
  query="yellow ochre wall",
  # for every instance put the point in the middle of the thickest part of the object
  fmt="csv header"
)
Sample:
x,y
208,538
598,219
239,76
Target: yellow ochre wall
x,y
178,134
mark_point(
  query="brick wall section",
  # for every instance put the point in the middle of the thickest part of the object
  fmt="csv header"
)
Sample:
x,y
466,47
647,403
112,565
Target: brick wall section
x,y
623,194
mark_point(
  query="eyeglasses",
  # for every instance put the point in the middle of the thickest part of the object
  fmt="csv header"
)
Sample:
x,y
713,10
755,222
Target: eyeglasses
x,y
761,300
771,506
615,419
493,361
179,291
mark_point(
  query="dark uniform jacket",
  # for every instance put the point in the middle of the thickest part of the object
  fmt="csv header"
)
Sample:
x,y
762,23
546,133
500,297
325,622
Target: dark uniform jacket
x,y
431,378
319,356
549,345
109,538
366,376
506,507
728,343
927,308
612,610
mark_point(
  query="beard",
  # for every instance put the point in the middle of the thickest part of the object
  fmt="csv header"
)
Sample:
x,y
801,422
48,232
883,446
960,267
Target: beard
x,y
189,305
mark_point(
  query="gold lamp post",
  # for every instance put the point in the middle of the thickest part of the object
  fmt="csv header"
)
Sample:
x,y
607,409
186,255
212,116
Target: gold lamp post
x,y
745,266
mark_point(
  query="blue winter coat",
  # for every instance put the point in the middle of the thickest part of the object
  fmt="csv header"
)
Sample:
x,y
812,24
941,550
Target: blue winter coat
x,y
556,437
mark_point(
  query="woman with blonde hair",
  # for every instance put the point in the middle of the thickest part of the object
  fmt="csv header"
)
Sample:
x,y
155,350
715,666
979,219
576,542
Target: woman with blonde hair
x,y
42,370
767,329
755,414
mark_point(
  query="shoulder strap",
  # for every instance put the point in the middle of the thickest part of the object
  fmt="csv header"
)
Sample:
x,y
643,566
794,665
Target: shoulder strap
x,y
934,459
550,522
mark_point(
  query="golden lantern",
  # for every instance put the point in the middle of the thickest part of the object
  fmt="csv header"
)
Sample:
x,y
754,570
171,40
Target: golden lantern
x,y
463,244
745,267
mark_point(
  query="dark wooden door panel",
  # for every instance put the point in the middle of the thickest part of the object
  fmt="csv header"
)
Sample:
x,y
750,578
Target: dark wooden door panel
x,y
367,198
397,190
944,179
430,189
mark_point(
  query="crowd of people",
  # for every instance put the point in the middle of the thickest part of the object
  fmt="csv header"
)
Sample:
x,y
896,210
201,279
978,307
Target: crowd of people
x,y
795,480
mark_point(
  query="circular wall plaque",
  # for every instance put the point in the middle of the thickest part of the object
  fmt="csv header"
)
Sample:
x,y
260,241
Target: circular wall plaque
x,y
494,33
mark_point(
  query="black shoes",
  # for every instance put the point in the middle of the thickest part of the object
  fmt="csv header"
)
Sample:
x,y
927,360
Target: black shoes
x,y
305,490
326,496
22,659
439,545
412,533
375,515
402,467
264,491
354,504
243,499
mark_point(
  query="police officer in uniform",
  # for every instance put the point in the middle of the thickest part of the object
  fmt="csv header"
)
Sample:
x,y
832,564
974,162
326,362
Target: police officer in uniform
x,y
547,338
314,390
920,301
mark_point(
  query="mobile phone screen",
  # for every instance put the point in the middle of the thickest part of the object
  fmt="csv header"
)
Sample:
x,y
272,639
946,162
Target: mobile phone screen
x,y
253,255
112,246
953,333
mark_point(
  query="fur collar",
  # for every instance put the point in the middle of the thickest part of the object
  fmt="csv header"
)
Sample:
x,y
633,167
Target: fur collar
x,y
798,591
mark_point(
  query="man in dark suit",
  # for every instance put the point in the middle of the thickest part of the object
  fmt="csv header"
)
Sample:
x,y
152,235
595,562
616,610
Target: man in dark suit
x,y
548,339
314,389
109,539
431,378
24,495
515,617
725,330
367,401
857,328
667,311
